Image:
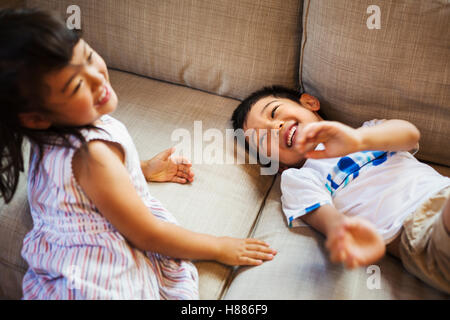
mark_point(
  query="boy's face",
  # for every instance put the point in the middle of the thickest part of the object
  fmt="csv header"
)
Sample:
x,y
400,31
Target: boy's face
x,y
287,118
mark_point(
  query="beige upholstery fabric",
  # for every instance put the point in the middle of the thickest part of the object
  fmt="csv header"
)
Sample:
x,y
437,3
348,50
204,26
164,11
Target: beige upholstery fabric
x,y
12,3
223,200
399,71
227,47
15,222
302,270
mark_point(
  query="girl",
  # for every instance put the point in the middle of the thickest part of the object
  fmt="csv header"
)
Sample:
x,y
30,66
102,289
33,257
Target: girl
x,y
98,233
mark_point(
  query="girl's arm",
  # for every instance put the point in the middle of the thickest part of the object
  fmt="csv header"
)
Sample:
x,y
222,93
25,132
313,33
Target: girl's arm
x,y
103,177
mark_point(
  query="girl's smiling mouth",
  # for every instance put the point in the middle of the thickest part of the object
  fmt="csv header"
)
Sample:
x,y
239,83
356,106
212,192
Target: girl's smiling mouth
x,y
104,96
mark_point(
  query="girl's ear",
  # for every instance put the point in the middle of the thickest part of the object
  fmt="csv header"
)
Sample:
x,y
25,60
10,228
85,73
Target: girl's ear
x,y
33,120
310,102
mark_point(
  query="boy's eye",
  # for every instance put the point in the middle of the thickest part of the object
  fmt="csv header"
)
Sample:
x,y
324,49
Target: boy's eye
x,y
90,56
273,112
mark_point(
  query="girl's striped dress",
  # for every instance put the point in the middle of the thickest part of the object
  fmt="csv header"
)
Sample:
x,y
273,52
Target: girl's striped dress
x,y
73,252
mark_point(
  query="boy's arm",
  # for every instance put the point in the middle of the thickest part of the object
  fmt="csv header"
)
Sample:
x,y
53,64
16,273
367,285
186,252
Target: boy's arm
x,y
352,241
324,219
340,139
390,135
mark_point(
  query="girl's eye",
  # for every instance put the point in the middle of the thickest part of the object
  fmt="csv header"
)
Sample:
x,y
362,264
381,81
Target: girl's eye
x,y
90,56
273,112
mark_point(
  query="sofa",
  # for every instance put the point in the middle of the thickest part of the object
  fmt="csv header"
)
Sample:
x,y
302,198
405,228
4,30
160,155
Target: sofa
x,y
174,62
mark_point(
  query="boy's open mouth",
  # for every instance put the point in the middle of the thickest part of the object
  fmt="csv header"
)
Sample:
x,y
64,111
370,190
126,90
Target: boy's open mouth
x,y
290,134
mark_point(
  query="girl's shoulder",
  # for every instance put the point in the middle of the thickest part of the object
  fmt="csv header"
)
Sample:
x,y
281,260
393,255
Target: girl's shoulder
x,y
56,159
107,128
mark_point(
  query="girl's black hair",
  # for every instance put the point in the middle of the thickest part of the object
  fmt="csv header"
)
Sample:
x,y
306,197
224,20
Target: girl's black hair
x,y
32,44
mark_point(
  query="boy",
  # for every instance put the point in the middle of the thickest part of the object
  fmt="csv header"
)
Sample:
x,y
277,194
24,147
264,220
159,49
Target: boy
x,y
364,201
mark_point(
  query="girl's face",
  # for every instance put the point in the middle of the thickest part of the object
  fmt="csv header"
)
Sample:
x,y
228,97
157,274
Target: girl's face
x,y
80,93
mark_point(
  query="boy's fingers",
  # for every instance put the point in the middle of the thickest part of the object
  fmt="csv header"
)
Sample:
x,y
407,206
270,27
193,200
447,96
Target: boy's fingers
x,y
342,255
335,256
351,262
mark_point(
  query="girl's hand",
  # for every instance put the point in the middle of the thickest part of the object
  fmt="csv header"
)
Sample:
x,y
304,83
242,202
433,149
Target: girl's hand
x,y
164,168
237,252
338,139
355,242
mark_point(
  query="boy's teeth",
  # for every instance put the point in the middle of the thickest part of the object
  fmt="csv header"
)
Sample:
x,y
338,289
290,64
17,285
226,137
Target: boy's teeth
x,y
291,134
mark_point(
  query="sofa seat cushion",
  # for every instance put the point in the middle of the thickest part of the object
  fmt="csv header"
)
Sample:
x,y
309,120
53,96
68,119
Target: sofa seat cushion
x,y
223,200
302,270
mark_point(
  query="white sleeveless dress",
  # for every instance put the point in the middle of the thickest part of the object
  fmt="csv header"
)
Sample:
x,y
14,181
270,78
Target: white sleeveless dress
x,y
73,252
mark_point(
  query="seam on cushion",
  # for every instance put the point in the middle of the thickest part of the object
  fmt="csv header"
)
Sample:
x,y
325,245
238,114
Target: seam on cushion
x,y
261,208
176,84
304,38
230,278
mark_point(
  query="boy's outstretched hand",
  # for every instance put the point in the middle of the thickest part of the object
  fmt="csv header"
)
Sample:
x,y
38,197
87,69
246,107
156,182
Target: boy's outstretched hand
x,y
338,139
164,168
355,242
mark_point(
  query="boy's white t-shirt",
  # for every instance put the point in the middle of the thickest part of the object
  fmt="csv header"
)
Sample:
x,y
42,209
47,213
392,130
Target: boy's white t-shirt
x,y
382,187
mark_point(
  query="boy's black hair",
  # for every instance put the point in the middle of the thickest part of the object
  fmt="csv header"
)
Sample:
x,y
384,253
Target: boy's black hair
x,y
241,112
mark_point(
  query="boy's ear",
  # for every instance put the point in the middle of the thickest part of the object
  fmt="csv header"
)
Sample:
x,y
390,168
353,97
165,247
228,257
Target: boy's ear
x,y
310,102
33,120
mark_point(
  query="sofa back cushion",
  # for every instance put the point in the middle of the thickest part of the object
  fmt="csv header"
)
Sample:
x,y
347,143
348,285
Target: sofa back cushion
x,y
12,4
230,48
401,70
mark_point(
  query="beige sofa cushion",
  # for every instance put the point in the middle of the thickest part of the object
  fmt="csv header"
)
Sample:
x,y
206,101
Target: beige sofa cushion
x,y
227,47
302,270
12,3
223,200
15,222
399,71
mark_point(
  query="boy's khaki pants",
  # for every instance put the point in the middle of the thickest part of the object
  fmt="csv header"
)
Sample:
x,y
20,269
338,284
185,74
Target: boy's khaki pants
x,y
425,244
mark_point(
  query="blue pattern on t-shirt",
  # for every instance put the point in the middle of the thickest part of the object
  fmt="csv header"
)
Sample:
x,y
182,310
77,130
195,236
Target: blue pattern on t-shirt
x,y
348,168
